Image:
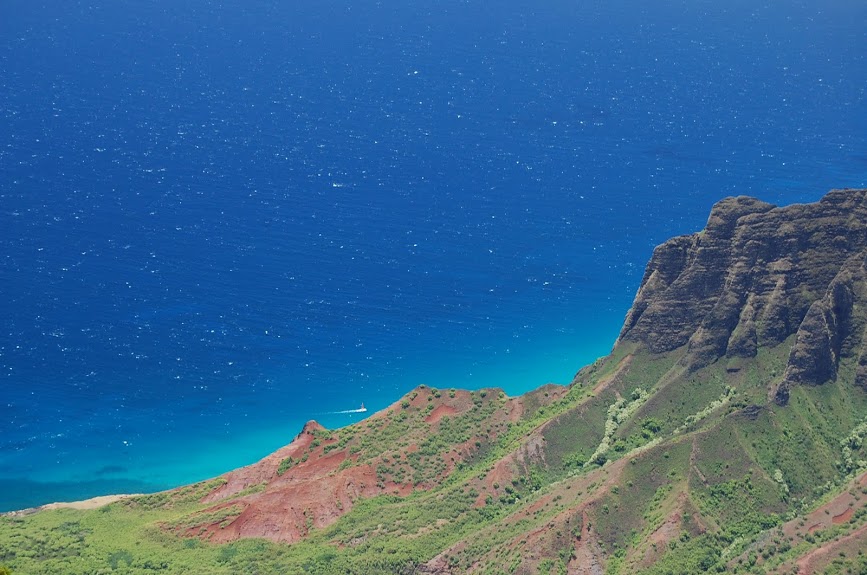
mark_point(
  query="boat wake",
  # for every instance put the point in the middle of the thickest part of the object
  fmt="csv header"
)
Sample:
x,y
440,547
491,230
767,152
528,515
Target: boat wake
x,y
361,409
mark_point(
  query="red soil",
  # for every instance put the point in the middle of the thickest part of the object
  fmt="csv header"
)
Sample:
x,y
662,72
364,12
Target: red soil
x,y
312,493
439,412
318,488
838,511
843,517
816,561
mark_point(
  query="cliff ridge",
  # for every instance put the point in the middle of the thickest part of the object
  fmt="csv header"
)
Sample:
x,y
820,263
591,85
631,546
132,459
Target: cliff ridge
x,y
725,432
756,276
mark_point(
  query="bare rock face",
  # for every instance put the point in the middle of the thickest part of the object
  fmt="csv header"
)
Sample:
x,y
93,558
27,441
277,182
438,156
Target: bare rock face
x,y
831,330
756,276
684,279
861,370
817,348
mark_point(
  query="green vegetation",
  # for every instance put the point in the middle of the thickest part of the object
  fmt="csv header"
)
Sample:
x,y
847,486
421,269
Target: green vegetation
x,y
741,449
656,462
617,413
284,466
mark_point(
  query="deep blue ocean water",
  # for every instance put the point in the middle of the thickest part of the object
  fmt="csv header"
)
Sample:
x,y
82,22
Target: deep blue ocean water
x,y
221,219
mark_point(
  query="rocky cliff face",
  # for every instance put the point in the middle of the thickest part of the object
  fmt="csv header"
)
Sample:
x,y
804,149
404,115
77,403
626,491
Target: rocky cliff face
x,y
712,420
756,276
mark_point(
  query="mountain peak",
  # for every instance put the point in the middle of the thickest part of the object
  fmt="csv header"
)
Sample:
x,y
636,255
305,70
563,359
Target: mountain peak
x,y
757,275
709,440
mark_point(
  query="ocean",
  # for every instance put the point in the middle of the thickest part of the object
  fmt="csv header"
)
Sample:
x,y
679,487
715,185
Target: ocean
x,y
219,220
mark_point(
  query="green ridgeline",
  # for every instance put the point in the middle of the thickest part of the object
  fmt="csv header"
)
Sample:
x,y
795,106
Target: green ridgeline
x,y
628,452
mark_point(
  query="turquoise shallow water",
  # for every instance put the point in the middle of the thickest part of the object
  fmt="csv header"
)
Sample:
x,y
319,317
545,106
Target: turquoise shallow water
x,y
205,445
220,221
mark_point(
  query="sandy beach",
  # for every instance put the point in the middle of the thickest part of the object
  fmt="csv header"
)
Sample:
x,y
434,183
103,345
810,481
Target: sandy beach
x,y
91,503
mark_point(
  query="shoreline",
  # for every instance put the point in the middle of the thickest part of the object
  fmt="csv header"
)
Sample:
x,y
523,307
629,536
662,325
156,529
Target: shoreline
x,y
83,505
245,447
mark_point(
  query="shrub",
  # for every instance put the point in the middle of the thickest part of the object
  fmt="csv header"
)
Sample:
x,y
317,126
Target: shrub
x,y
284,466
118,557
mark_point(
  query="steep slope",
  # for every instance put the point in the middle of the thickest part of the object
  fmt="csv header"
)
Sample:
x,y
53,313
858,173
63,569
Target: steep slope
x,y
754,277
413,445
725,432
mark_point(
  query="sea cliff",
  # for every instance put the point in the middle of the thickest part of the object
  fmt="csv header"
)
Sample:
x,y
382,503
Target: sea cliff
x,y
724,432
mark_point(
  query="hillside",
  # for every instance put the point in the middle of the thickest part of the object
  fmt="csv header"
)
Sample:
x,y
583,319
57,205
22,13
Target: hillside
x,y
724,432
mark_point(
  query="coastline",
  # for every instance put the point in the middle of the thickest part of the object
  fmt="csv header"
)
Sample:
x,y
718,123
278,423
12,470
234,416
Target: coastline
x,y
155,465
83,505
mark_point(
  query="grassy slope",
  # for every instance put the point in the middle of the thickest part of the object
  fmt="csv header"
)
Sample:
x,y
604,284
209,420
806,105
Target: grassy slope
x,y
639,467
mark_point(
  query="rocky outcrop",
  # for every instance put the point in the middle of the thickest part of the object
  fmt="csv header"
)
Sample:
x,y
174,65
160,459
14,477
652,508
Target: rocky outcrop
x,y
829,331
453,481
756,276
861,369
684,279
